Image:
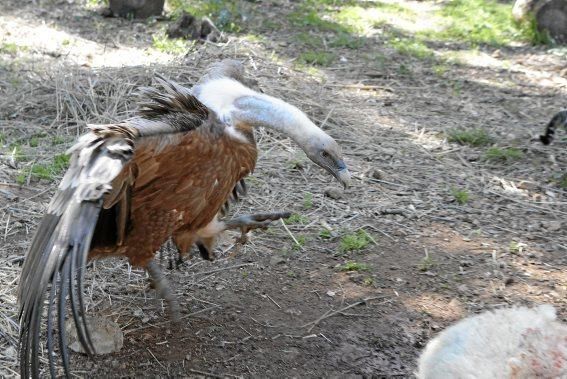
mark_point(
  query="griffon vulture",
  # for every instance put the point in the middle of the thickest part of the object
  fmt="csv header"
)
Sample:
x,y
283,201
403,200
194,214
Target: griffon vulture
x,y
167,172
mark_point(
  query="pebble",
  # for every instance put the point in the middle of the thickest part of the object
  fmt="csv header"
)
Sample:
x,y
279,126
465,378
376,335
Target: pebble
x,y
333,193
552,226
375,174
276,259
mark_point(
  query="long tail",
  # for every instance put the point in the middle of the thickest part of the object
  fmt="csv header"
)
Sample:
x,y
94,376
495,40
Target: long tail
x,y
57,258
558,121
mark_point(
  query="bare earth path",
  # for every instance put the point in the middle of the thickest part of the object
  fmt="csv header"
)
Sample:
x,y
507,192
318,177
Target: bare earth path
x,y
273,308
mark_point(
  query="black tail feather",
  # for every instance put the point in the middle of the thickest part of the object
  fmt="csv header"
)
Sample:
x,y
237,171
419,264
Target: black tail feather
x,y
50,355
61,318
557,121
60,267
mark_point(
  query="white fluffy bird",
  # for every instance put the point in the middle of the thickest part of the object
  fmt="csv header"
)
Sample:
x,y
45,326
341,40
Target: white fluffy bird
x,y
513,343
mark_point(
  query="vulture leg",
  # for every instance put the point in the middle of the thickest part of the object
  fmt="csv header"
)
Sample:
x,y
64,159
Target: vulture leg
x,y
163,289
255,221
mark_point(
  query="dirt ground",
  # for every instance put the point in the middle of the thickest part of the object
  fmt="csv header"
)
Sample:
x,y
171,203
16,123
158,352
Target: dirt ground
x,y
272,308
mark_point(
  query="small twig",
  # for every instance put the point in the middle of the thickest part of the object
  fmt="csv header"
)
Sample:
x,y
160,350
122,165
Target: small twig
x,y
273,301
157,360
291,235
331,314
224,269
210,374
326,118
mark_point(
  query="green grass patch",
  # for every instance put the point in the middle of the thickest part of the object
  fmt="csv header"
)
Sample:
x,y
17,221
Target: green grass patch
x,y
58,140
17,153
169,45
311,18
360,20
318,58
440,69
34,142
45,171
301,241
461,196
325,234
516,247
9,48
529,27
404,70
471,137
487,22
297,162
426,264
355,241
354,266
411,47
562,181
347,41
508,154
296,219
308,200
310,40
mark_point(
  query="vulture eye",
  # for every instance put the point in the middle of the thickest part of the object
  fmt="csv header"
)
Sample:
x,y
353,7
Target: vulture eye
x,y
324,154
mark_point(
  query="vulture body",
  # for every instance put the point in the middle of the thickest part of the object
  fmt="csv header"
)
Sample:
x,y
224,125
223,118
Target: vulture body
x,y
167,172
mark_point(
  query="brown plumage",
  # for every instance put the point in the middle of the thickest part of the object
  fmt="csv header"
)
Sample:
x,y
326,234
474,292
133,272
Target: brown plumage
x,y
132,185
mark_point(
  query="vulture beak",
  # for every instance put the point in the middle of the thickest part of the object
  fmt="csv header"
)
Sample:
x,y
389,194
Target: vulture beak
x,y
344,177
342,174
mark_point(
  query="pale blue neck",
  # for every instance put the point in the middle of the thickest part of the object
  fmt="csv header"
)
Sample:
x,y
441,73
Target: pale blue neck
x,y
267,111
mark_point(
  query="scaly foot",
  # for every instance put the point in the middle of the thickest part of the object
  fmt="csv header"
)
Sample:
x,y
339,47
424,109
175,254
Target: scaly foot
x,y
161,285
247,223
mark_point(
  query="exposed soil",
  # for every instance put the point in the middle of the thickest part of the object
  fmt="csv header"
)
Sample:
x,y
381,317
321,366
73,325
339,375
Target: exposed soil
x,y
258,310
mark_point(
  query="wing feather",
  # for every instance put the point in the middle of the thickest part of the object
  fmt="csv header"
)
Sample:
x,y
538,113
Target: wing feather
x,y
62,243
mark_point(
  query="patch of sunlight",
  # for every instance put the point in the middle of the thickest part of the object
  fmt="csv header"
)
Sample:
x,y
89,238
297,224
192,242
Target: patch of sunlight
x,y
46,39
175,46
436,306
476,58
427,140
479,22
509,187
95,4
364,20
543,273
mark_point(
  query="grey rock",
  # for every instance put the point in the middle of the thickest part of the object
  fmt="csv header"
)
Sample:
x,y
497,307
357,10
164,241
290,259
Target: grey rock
x,y
106,335
333,193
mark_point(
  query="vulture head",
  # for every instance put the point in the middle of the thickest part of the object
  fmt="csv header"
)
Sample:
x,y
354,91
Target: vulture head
x,y
234,103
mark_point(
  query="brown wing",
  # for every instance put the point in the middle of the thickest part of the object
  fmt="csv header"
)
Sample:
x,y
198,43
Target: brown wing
x,y
92,209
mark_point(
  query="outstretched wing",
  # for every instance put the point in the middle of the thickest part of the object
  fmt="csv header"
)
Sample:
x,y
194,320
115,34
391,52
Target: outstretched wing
x,y
60,247
91,209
